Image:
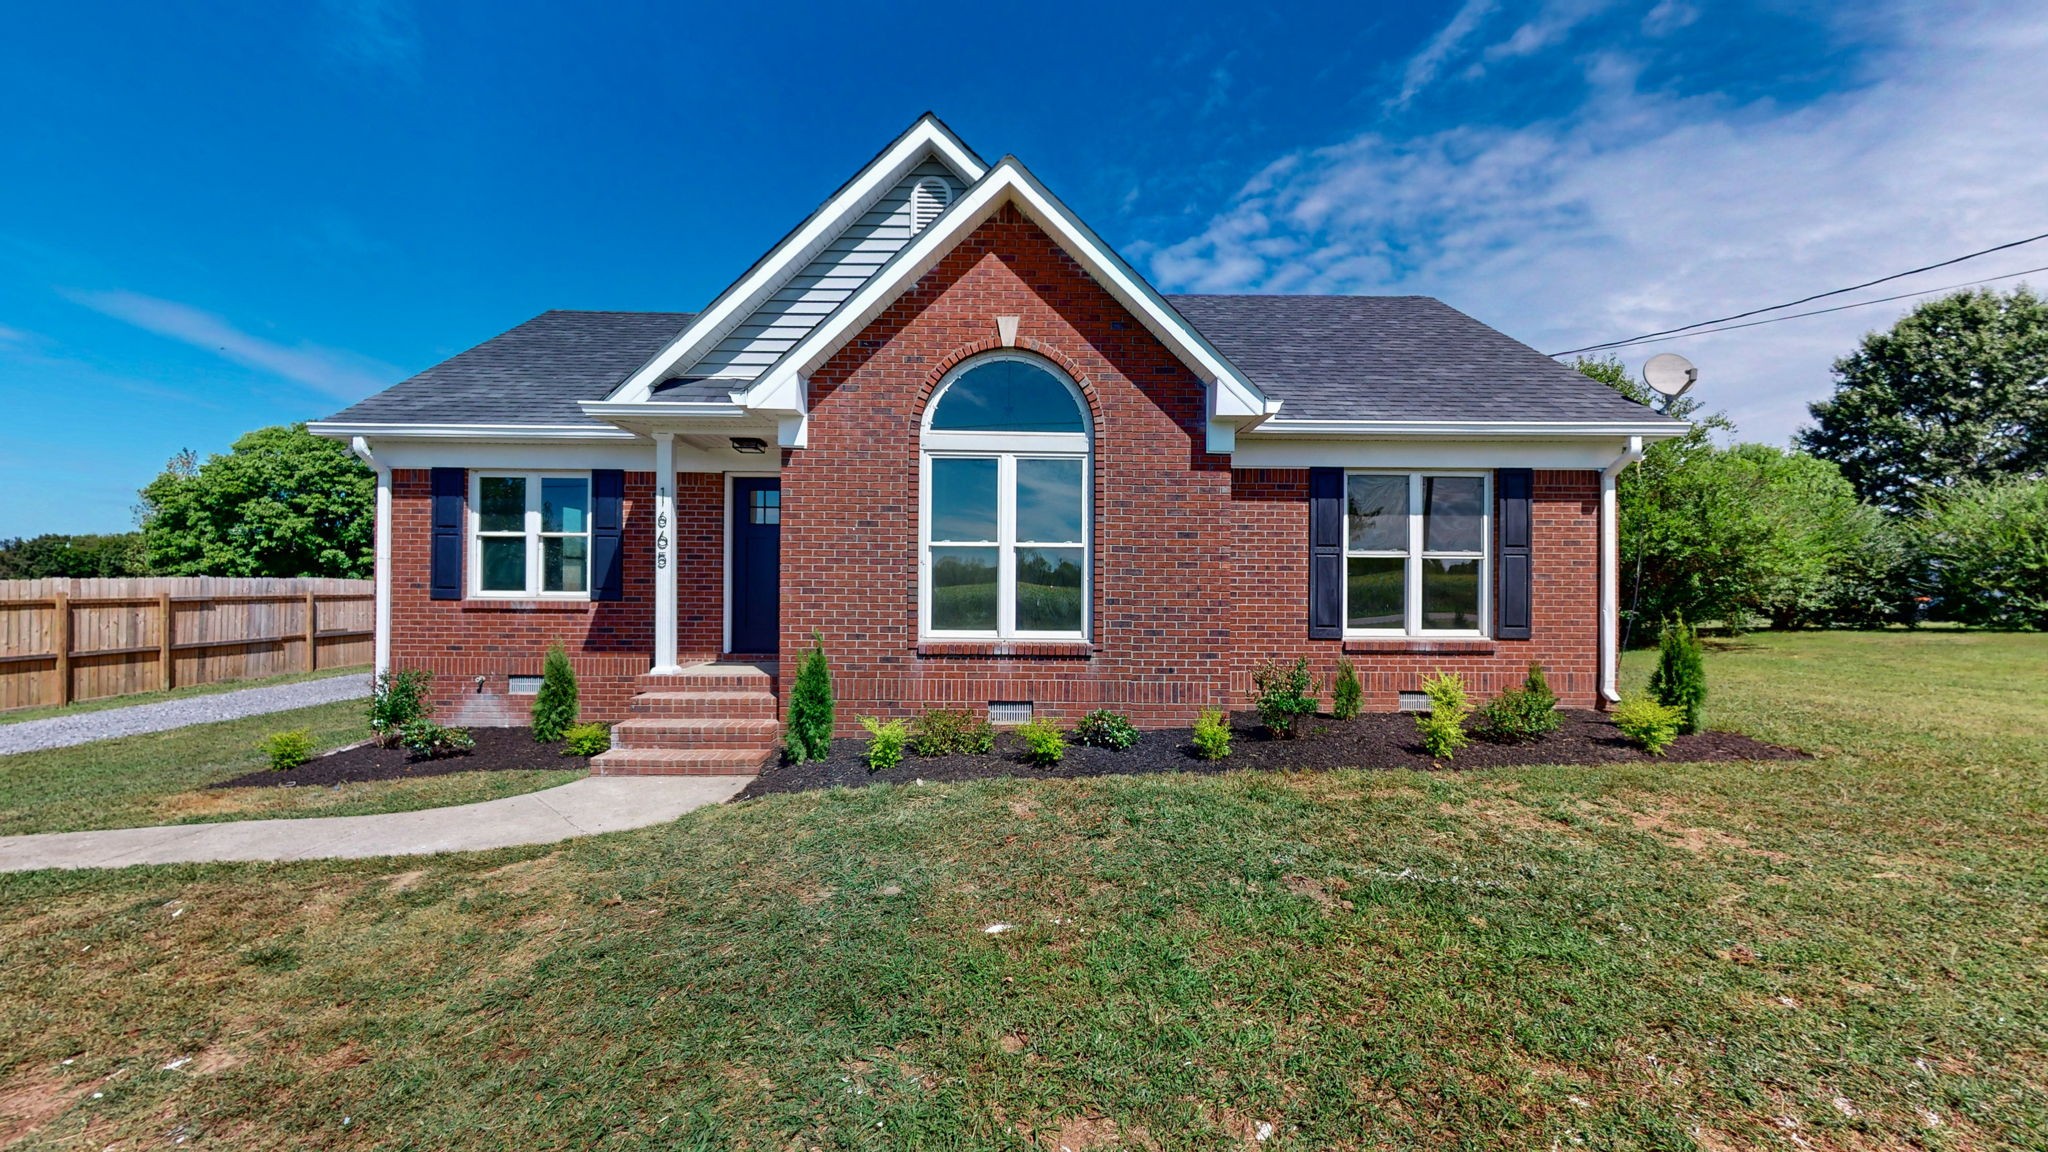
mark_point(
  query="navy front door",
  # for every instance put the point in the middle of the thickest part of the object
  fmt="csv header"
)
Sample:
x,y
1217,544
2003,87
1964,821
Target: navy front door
x,y
756,564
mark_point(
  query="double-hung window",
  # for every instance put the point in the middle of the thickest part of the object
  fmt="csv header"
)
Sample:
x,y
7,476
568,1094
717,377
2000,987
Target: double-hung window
x,y
1006,548
1415,553
530,535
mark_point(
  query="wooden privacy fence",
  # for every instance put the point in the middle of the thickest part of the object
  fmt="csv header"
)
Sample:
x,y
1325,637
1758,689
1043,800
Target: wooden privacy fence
x,y
66,640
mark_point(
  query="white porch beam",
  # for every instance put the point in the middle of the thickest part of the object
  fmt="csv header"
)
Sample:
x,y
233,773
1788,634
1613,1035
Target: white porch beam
x,y
665,553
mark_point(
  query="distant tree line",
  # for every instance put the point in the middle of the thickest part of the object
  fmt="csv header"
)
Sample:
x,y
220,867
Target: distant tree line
x,y
280,502
1918,492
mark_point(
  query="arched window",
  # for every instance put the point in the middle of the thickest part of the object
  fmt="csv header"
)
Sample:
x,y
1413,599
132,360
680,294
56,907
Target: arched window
x,y
1006,503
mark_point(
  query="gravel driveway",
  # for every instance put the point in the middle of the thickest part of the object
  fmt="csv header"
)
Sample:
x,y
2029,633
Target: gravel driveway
x,y
85,727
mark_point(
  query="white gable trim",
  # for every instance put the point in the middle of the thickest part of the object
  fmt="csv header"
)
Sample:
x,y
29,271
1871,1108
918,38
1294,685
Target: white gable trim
x,y
1233,399
926,137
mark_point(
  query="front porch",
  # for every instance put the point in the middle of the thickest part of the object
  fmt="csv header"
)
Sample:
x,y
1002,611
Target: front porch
x,y
714,718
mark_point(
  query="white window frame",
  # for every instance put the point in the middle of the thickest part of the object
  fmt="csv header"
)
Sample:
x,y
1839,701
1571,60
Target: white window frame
x,y
1411,607
532,534
1006,448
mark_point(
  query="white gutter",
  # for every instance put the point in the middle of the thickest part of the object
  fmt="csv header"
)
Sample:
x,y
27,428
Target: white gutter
x,y
1465,429
1610,570
361,447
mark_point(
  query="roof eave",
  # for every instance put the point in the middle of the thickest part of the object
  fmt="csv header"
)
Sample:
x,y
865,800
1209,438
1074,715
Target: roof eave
x,y
1659,428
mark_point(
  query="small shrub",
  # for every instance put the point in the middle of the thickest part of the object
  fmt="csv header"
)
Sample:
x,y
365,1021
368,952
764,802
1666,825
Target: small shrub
x,y
1043,742
400,697
288,750
1680,677
587,740
1521,714
950,732
1346,693
1648,723
426,740
1443,726
807,734
1105,729
885,743
554,708
1212,734
1285,695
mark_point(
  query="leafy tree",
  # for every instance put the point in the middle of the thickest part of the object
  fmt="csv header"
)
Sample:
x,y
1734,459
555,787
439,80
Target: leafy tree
x,y
54,554
808,733
1954,392
282,502
555,706
1987,553
1680,678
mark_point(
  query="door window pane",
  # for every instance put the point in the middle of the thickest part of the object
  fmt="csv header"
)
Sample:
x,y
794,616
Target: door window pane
x,y
1454,514
501,504
1377,509
1049,500
764,506
563,564
504,564
1049,589
564,505
1450,595
1374,592
963,498
964,589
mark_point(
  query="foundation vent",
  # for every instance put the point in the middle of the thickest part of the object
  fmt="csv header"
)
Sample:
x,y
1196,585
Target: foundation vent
x,y
1009,711
1414,702
522,685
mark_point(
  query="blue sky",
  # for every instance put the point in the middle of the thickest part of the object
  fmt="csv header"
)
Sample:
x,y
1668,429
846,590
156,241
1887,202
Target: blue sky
x,y
217,218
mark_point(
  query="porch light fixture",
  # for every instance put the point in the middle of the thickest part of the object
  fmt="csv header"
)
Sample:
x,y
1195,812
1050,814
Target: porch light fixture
x,y
751,445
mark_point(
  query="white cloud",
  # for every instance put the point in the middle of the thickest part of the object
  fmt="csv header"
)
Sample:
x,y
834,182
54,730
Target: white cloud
x,y
1639,211
337,373
1441,48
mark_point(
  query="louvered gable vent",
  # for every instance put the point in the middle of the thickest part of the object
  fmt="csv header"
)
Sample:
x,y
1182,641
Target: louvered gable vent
x,y
928,198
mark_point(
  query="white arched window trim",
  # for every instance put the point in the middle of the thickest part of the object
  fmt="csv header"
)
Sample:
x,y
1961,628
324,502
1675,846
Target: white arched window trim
x,y
1007,449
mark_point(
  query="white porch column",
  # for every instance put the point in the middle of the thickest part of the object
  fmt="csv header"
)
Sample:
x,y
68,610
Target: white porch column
x,y
1610,571
665,553
382,570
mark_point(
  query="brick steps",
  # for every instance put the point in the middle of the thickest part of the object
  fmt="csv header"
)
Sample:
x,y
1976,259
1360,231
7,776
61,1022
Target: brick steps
x,y
710,720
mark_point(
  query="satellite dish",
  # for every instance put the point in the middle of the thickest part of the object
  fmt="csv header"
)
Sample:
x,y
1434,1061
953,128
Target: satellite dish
x,y
1670,374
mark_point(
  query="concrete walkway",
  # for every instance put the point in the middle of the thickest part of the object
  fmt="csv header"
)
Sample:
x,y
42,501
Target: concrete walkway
x,y
579,808
107,723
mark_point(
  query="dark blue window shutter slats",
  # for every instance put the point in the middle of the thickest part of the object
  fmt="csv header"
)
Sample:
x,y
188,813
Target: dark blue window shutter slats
x,y
607,533
1326,553
444,580
1515,487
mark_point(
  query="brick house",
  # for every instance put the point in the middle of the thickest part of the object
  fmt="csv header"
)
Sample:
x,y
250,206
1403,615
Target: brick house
x,y
944,427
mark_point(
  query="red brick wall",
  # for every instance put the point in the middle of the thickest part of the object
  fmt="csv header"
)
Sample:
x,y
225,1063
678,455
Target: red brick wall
x,y
1199,574
609,643
1271,616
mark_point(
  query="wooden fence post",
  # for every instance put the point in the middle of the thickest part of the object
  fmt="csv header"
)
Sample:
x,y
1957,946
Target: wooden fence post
x,y
312,631
62,634
167,642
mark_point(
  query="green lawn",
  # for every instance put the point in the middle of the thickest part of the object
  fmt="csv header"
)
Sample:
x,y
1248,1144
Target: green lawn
x,y
161,778
1842,953
17,715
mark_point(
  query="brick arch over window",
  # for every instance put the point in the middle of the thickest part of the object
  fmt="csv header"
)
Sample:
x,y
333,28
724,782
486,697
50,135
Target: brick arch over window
x,y
965,352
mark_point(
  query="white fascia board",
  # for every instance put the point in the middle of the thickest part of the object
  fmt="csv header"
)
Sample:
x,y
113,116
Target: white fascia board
x,y
1583,453
349,430
1655,429
748,293
1009,183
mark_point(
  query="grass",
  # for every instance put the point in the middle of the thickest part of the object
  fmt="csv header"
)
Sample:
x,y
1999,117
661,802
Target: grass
x,y
161,778
16,716
1842,953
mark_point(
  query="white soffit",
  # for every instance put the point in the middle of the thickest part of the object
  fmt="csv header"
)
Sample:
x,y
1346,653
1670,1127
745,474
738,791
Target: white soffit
x,y
927,137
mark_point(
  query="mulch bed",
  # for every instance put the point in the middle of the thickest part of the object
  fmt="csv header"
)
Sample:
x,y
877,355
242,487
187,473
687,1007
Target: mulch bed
x,y
497,750
1375,740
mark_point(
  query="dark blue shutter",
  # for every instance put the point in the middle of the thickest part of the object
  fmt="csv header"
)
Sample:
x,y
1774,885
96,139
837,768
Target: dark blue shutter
x,y
1326,553
607,531
1512,613
445,555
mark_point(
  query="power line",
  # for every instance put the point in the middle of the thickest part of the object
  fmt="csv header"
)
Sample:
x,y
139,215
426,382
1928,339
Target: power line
x,y
1820,311
1804,299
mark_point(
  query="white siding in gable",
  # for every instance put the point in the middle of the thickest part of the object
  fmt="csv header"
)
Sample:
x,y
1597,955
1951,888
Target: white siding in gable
x,y
822,286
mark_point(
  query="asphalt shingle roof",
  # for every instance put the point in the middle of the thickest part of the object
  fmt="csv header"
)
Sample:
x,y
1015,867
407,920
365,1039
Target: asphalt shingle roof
x,y
1324,357
1393,358
533,374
